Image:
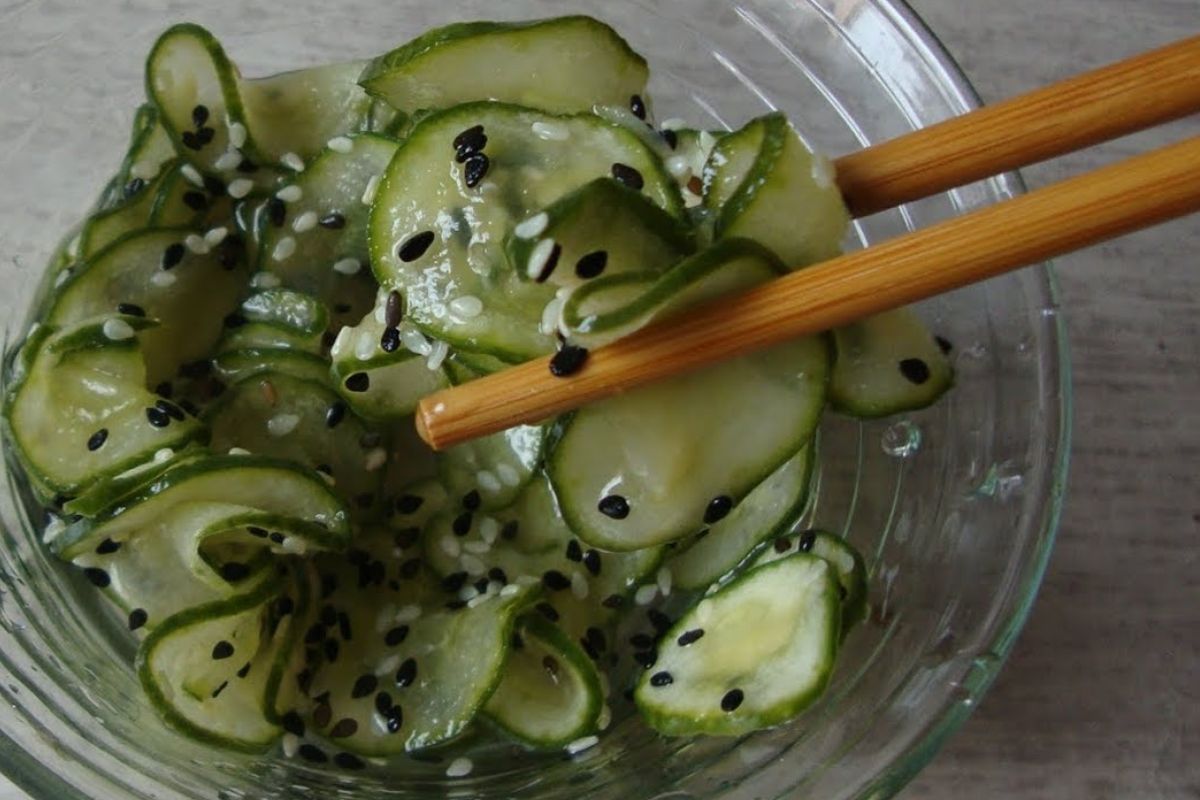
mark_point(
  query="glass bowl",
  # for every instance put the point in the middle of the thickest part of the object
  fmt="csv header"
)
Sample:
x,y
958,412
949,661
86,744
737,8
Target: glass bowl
x,y
955,507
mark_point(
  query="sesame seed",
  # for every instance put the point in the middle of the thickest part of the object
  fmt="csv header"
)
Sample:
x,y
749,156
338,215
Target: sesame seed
x,y
450,546
574,551
645,594
290,194
638,106
292,162
679,168
690,637
471,500
592,264
107,547
265,280
658,619
567,361
348,761
117,329
157,417
415,341
614,506
222,650
364,345
718,508
548,611
471,134
466,307
582,743
229,160
97,440
555,581
469,143
473,565
663,580
914,370
332,221
163,279
807,540
358,382
460,768
144,170
475,170
532,227
628,175
137,618
192,174
372,188
591,560
305,222
237,134
282,424
98,577
363,686
195,242
732,699
238,451
543,258
407,673
550,131
462,524
347,266
284,249
414,246
344,728
663,678
375,459
782,544
196,201
134,186
340,144
508,474
579,586
393,309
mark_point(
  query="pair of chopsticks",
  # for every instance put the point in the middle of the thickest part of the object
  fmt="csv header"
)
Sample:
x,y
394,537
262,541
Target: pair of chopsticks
x,y
1128,96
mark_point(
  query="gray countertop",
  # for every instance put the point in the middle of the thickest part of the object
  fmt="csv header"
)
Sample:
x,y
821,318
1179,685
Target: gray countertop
x,y
1099,699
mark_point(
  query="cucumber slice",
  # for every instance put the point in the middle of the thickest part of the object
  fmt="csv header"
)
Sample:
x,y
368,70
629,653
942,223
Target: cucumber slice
x,y
612,307
80,412
266,485
275,414
659,463
719,676
312,243
603,227
276,319
189,667
190,299
563,65
236,365
762,183
456,282
887,364
150,148
159,203
766,513
549,694
110,490
846,561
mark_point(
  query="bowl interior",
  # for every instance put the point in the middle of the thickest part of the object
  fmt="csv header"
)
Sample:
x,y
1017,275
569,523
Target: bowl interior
x,y
954,506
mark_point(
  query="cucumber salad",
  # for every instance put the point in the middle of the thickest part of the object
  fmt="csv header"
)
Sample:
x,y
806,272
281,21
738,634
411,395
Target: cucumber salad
x,y
214,403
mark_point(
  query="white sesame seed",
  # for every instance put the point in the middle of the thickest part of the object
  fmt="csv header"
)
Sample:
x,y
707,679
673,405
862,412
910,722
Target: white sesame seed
x,y
509,590
473,565
238,451
388,665
237,134
459,768
489,529
146,170
488,482
437,355
414,341
645,594
410,613
375,459
117,329
195,242
673,124
527,580
290,194
494,587
292,161
479,599
533,227
192,174
74,245
347,266
265,280
291,744
284,249
550,315
54,529
538,257
679,168
305,222
581,744
239,188
163,455
466,307
478,548
62,277
365,344
579,586
450,545
550,131
340,144
163,279
605,718
507,474
368,195
467,593
228,160
341,342
215,236
663,579
282,424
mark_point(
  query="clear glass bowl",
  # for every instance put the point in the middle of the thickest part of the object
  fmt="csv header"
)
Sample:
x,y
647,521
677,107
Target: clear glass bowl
x,y
955,507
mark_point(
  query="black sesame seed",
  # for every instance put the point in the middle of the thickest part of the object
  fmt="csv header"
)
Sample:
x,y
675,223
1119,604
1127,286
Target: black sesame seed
x,y
642,641
555,581
395,719
257,532
191,141
170,409
807,540
348,761
383,702
137,618
157,417
638,106
244,671
468,143
671,138
335,414
689,637
498,575
393,310
277,211
943,344
645,658
914,370
322,714
292,723
783,544
133,187
462,523
365,684
409,503
172,255
217,691
214,185
131,309
732,699
591,560
659,620
590,649
358,382
613,601
628,176
389,342
205,135
596,639
568,360
164,390
222,650
233,571
718,508
592,264
475,170
407,673
200,115
334,221
396,636
196,201
470,134
107,547
574,551
548,611
332,648
614,506
97,440
312,753
510,530
247,167
414,246
471,500
661,679
454,581
277,538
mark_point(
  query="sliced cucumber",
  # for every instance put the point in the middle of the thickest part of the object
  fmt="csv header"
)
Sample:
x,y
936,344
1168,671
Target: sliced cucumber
x,y
847,564
766,513
549,694
190,299
456,280
887,364
276,319
159,203
661,462
81,411
235,365
150,147
564,64
718,675
763,184
110,490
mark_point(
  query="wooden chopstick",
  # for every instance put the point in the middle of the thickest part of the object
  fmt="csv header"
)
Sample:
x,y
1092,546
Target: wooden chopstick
x,y
1128,96
1109,202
